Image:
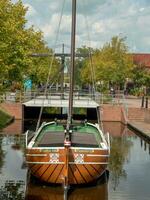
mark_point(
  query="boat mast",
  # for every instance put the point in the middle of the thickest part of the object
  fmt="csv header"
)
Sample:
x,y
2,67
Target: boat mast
x,y
73,33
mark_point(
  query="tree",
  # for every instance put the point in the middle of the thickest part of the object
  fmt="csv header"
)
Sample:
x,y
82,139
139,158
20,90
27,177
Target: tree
x,y
112,64
16,44
141,79
12,23
85,54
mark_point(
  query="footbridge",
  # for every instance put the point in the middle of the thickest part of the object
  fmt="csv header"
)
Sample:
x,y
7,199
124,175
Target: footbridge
x,y
55,105
59,100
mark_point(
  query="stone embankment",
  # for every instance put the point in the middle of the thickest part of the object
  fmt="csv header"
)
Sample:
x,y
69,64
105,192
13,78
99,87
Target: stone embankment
x,y
139,116
133,115
13,109
139,120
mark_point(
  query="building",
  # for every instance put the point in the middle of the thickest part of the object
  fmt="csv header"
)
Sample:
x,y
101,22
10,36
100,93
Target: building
x,y
142,59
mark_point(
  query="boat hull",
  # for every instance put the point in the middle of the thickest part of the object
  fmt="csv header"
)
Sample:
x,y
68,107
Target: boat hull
x,y
85,165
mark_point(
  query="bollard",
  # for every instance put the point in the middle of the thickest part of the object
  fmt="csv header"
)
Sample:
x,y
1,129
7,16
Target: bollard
x,y
146,103
142,104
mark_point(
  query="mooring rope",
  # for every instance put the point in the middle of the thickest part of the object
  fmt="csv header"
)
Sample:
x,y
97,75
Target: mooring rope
x,y
51,63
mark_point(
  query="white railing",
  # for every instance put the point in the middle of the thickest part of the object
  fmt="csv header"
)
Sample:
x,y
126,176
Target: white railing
x,y
35,95
20,96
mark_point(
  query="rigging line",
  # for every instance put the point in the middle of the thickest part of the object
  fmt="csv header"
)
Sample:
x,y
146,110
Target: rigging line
x,y
57,77
51,63
93,77
90,53
58,72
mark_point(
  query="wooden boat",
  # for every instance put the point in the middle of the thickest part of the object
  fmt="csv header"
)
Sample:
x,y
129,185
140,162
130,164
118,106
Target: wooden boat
x,y
71,153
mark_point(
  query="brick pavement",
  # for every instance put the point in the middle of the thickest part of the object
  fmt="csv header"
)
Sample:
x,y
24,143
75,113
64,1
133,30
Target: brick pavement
x,y
139,118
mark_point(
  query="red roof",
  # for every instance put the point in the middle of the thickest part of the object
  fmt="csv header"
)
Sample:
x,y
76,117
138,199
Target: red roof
x,y
141,59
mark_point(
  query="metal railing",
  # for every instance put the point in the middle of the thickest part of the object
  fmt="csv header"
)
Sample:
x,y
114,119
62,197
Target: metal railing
x,y
23,96
99,98
38,96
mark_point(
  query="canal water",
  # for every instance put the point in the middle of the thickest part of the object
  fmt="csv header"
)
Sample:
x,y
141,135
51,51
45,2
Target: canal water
x,y
128,177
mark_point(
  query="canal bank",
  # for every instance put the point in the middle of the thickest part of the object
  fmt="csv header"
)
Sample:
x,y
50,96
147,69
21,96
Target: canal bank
x,y
130,114
142,128
138,118
11,118
5,119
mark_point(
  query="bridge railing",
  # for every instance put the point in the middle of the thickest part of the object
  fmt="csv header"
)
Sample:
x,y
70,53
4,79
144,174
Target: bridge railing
x,y
24,96
51,96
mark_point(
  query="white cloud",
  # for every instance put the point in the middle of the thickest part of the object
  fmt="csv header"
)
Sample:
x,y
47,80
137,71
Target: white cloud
x,y
146,40
105,19
143,22
66,24
53,6
99,27
48,31
141,9
31,10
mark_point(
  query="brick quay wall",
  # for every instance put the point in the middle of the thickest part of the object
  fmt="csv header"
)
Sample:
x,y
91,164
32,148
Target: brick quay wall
x,y
108,112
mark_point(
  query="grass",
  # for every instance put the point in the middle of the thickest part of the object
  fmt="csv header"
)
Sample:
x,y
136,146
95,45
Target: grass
x,y
5,119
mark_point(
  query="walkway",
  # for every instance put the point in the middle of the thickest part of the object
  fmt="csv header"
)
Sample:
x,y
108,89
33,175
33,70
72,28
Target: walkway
x,y
142,126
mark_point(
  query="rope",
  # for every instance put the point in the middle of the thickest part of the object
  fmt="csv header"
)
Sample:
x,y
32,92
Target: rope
x,y
90,53
50,64
93,76
57,76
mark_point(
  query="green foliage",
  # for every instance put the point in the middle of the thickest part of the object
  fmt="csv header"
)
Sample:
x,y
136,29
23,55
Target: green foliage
x,y
141,76
4,119
112,64
120,149
85,53
16,44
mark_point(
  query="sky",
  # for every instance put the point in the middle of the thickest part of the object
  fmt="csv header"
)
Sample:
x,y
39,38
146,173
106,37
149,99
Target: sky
x,y
97,22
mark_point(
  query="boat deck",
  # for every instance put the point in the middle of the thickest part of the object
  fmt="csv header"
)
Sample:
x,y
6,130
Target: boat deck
x,y
55,139
81,136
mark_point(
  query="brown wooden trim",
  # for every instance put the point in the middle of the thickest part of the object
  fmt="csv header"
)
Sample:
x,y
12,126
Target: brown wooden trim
x,y
95,169
88,171
35,168
52,172
73,174
44,176
44,170
81,174
77,174
59,173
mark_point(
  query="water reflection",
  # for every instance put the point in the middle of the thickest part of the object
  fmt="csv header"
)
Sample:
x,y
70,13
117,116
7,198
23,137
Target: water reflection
x,y
37,191
120,149
129,171
12,190
12,176
2,154
145,144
